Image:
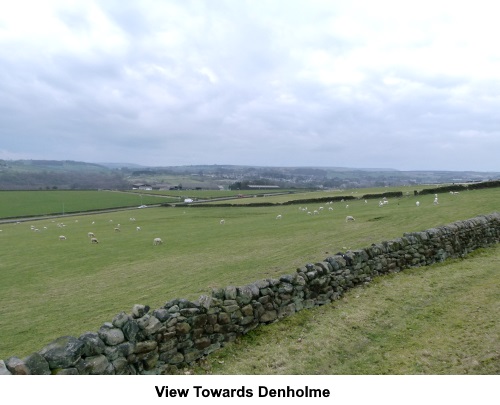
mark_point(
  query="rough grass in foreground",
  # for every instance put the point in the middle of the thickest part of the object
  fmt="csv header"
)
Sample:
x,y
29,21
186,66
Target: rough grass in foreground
x,y
441,319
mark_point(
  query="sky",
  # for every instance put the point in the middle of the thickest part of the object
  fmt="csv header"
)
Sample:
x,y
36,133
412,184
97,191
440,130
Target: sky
x,y
408,85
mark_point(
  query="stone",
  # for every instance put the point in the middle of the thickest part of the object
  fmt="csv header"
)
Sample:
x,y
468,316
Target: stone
x,y
16,366
138,310
37,365
93,344
94,365
63,352
111,336
3,368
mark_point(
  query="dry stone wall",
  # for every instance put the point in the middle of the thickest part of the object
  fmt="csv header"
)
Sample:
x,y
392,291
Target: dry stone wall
x,y
164,340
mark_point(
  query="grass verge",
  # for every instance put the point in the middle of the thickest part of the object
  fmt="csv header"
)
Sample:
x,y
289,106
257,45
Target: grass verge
x,y
433,320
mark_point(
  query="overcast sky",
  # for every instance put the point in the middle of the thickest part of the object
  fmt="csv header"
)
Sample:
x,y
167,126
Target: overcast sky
x,y
410,85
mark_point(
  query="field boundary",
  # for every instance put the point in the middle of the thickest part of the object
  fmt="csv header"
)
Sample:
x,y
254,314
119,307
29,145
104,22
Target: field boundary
x,y
181,332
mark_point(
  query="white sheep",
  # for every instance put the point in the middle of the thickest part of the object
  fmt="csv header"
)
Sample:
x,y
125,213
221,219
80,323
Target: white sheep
x,y
222,222
117,230
138,228
417,203
91,235
94,240
157,241
349,218
279,216
62,237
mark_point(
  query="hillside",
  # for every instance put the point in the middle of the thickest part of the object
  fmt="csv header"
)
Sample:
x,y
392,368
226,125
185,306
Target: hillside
x,y
65,174
54,174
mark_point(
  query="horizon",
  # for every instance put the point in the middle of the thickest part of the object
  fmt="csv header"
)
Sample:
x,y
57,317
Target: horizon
x,y
132,165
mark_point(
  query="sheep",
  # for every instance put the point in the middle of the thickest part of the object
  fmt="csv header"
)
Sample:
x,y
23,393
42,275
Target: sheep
x,y
157,241
91,235
315,212
417,203
117,230
436,202
138,228
279,216
94,240
62,237
330,209
349,218
222,222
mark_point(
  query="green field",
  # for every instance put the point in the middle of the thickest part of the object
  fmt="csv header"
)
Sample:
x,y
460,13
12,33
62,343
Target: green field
x,y
50,288
33,203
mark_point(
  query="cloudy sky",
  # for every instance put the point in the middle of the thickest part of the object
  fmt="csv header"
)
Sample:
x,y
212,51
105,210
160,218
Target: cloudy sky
x,y
388,84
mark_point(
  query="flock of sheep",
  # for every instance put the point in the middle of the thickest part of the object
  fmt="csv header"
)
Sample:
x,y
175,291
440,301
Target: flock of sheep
x,y
158,241
349,218
91,235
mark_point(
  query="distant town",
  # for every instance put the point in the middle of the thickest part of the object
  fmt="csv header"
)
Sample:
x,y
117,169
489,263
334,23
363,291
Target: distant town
x,y
51,174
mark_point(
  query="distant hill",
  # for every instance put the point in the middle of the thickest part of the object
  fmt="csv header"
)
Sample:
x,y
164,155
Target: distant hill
x,y
67,174
121,165
57,174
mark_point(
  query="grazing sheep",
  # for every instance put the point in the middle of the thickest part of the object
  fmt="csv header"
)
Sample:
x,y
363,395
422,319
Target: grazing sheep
x,y
117,230
436,202
157,241
94,240
91,235
330,209
222,222
62,237
349,218
138,228
417,203
279,216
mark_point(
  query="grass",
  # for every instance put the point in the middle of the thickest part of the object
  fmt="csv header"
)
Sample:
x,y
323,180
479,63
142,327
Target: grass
x,y
50,288
441,319
15,204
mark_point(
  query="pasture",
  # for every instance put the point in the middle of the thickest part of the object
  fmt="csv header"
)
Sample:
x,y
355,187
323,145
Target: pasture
x,y
15,204
51,287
